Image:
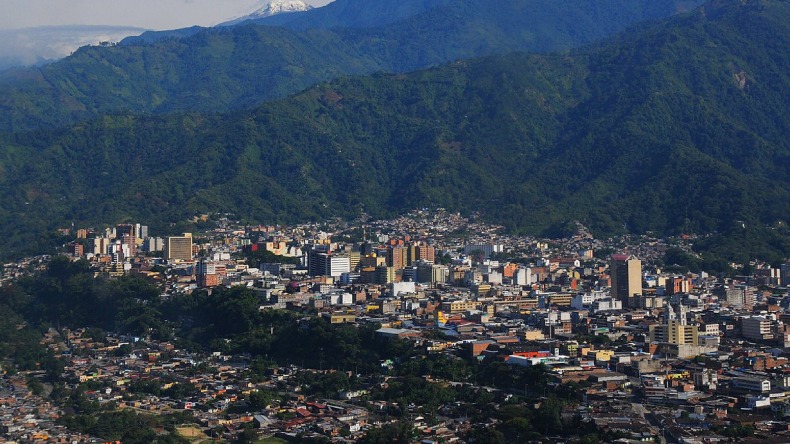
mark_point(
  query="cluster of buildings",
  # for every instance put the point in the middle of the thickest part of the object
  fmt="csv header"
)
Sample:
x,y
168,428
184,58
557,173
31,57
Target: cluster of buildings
x,y
26,417
655,352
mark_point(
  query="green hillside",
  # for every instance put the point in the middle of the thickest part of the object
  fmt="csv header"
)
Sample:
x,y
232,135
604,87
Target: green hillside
x,y
677,128
224,69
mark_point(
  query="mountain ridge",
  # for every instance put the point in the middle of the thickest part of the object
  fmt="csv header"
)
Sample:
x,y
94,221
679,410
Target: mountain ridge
x,y
271,9
653,130
228,68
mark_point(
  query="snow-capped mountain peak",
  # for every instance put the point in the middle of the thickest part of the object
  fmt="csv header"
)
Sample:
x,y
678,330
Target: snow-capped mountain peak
x,y
275,7
279,7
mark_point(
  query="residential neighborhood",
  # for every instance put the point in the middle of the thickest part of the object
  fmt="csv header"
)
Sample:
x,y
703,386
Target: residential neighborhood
x,y
633,351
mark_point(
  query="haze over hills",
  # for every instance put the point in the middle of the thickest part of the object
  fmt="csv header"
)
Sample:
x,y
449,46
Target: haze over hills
x,y
33,46
680,127
229,68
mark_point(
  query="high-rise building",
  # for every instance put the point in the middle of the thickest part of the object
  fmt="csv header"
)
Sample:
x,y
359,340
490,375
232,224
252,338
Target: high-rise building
x,y
486,250
425,253
397,257
154,244
338,264
430,273
206,272
140,231
122,230
522,276
353,259
328,264
675,333
626,276
101,245
784,275
677,285
384,275
736,296
75,249
179,248
131,242
741,296
316,260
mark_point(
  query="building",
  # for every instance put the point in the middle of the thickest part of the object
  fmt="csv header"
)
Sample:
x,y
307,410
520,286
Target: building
x,y
328,264
784,275
459,306
206,274
425,253
675,333
740,296
559,299
179,248
154,244
485,250
397,257
131,242
674,330
757,328
626,275
384,275
431,273
122,230
316,260
140,231
677,284
522,277
101,245
607,304
751,384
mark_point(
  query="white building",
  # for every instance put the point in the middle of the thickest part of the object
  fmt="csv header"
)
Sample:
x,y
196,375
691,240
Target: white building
x,y
486,249
398,288
607,304
494,278
582,300
522,277
751,384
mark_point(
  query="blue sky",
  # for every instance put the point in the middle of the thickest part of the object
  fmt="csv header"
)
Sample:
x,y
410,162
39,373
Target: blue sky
x,y
149,14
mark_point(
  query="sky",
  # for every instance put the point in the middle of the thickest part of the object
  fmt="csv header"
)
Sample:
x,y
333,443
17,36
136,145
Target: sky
x,y
148,14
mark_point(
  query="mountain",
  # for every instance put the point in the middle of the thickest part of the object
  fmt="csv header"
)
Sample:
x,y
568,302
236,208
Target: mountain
x,y
355,14
33,46
229,68
272,9
675,128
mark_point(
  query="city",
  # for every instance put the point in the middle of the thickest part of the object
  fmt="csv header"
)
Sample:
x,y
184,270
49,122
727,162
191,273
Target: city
x,y
628,350
394,221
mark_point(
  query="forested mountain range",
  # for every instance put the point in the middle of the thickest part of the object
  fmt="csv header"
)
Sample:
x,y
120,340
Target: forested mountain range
x,y
229,68
681,127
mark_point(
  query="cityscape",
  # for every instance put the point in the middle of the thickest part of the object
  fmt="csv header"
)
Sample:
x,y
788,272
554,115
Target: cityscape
x,y
395,221
638,352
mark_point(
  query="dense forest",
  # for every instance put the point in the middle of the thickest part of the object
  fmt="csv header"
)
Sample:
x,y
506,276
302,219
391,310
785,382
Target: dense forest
x,y
227,68
678,128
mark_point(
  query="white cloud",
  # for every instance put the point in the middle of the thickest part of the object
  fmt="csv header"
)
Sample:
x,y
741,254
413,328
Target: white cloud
x,y
34,45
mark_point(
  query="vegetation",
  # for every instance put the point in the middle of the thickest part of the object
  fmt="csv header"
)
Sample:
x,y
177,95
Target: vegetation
x,y
419,383
228,320
221,69
676,128
128,426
